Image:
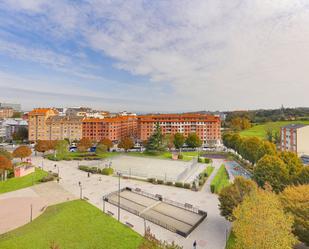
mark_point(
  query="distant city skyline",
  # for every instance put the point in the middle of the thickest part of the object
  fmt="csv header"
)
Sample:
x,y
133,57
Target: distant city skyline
x,y
155,56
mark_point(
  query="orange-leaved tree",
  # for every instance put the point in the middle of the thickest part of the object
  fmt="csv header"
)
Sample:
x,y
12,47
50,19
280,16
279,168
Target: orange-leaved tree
x,y
5,164
126,143
107,142
22,152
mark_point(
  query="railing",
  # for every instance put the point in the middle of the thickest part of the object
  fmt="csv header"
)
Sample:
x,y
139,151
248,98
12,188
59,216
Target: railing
x,y
158,222
131,210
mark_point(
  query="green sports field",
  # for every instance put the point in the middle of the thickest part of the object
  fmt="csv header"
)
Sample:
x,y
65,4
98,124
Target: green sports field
x,y
260,130
72,225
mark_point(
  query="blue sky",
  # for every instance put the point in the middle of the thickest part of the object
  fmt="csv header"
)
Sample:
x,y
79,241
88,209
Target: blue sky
x,y
155,56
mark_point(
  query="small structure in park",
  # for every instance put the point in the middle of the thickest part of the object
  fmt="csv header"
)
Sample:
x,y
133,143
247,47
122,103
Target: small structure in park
x,y
23,170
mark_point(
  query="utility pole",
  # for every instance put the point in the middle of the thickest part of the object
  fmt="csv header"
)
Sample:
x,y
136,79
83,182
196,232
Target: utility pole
x,y
119,175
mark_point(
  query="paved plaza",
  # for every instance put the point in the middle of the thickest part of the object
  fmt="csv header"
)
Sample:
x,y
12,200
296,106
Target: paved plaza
x,y
210,234
17,207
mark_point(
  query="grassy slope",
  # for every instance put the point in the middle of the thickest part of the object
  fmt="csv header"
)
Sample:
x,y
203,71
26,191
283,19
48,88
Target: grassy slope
x,y
221,179
72,225
22,182
231,241
260,130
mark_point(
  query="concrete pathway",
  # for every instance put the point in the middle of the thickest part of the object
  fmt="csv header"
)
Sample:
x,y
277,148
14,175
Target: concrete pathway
x,y
17,208
210,234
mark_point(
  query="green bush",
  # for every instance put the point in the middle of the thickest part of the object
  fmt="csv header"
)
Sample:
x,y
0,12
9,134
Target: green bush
x,y
107,171
200,160
169,183
212,188
207,160
47,178
152,180
187,185
84,168
160,181
180,156
179,184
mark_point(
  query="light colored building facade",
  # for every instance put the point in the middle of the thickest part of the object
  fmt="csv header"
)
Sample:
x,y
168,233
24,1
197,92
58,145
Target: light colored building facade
x,y
9,126
6,112
295,138
207,127
64,127
38,129
113,128
15,107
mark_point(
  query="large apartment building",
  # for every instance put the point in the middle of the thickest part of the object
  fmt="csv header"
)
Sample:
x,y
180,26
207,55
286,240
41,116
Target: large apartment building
x,y
295,138
38,129
6,112
64,127
207,127
113,128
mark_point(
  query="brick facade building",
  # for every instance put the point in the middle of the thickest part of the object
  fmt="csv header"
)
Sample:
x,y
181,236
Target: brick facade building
x,y
114,128
207,127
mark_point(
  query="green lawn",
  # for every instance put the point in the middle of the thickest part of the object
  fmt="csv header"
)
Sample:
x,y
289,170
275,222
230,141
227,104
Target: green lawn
x,y
220,180
231,241
260,130
22,182
72,225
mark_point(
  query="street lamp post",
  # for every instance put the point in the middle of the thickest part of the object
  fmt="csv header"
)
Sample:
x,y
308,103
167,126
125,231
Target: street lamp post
x,y
81,190
103,205
119,175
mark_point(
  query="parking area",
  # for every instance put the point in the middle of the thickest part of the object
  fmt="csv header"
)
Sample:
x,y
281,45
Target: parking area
x,y
176,217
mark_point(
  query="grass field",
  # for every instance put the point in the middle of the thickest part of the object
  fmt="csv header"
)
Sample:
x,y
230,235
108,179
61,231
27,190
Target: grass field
x,y
72,225
220,180
231,241
260,130
22,182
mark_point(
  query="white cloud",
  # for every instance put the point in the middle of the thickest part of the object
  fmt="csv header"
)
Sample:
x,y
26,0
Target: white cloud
x,y
210,54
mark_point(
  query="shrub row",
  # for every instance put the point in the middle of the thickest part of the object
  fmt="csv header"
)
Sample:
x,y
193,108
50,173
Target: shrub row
x,y
96,170
204,175
169,183
203,160
49,177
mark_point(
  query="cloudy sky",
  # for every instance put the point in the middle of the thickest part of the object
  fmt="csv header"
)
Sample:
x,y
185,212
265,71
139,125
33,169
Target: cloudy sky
x,y
161,55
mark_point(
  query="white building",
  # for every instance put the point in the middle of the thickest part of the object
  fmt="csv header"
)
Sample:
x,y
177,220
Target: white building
x,y
295,138
9,126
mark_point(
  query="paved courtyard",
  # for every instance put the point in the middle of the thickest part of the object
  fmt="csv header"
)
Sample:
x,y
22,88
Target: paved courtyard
x,y
210,234
16,208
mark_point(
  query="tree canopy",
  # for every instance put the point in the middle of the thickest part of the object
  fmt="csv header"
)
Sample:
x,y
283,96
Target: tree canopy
x,y
126,143
156,141
22,152
62,147
272,170
5,163
231,196
295,200
107,142
261,223
179,140
6,154
193,141
84,144
43,146
101,148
